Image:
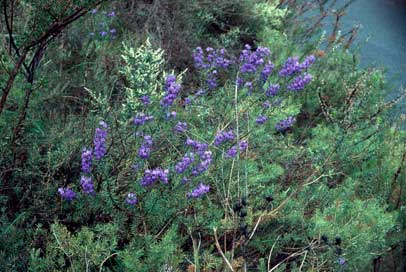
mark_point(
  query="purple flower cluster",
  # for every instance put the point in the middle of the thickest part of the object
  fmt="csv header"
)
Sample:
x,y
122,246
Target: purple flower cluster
x,y
131,199
154,175
104,32
67,193
86,161
251,60
99,140
180,127
142,118
223,136
308,61
284,124
172,90
146,100
87,185
204,164
186,161
261,119
290,67
214,59
199,191
198,147
145,149
300,82
232,151
212,80
272,90
268,68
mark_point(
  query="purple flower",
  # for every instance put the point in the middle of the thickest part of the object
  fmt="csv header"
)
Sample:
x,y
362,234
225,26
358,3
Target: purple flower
x,y
87,161
113,31
188,101
99,141
251,60
272,90
232,152
341,261
145,100
186,161
180,127
93,11
308,61
152,176
111,14
142,118
198,57
199,191
284,124
131,199
290,67
67,194
212,80
268,68
261,119
223,136
87,185
172,89
243,145
145,150
266,104
198,147
103,33
215,58
300,82
206,160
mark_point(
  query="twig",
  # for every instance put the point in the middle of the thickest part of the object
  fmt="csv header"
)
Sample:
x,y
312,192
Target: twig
x,y
221,251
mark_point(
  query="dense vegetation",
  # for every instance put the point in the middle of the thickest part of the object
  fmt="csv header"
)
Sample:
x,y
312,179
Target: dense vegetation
x,y
194,136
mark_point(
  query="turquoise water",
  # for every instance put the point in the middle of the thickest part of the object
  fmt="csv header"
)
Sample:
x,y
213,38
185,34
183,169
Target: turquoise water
x,y
382,38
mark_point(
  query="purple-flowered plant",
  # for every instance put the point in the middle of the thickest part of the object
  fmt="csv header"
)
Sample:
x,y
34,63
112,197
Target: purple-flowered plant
x,y
172,90
261,119
272,90
284,124
199,191
308,61
87,185
223,136
99,140
204,164
146,100
300,82
67,194
290,67
142,118
152,176
131,199
87,161
180,127
145,149
186,161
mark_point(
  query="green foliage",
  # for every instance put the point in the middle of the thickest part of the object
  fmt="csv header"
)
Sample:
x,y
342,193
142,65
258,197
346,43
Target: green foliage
x,y
88,249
